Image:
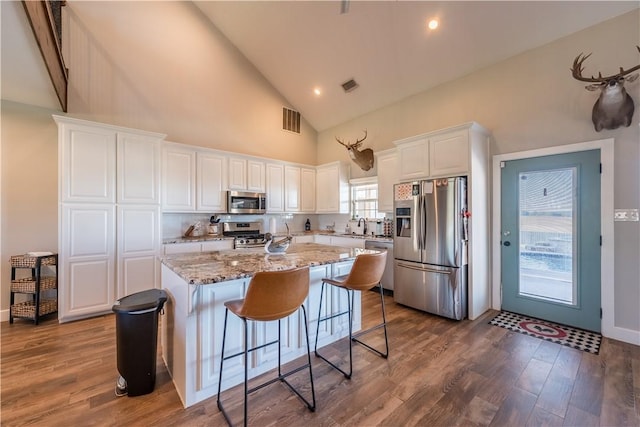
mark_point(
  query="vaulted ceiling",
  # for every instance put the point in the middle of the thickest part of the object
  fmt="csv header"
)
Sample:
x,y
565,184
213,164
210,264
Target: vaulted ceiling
x,y
385,46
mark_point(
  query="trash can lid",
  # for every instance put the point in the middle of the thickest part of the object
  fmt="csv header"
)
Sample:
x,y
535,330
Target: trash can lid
x,y
145,300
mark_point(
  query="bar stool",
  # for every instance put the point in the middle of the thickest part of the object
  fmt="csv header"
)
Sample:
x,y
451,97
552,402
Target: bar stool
x,y
271,295
366,273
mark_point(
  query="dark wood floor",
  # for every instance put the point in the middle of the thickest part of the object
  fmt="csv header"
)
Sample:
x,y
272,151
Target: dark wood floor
x,y
439,373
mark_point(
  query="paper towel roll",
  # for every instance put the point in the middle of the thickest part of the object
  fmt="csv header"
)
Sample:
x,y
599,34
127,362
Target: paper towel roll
x,y
272,225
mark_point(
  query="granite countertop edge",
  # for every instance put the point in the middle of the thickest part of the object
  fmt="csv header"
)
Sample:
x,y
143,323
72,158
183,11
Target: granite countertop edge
x,y
209,237
208,268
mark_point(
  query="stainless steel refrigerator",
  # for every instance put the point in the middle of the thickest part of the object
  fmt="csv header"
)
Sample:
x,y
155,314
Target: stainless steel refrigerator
x,y
430,246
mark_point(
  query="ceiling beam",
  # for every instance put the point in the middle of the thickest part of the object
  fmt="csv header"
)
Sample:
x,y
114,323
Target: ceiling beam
x,y
42,23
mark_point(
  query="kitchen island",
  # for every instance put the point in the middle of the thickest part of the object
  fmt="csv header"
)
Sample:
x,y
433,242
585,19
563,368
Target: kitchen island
x,y
198,284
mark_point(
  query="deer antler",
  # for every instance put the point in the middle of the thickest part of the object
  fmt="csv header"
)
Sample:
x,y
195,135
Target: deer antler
x,y
355,144
577,70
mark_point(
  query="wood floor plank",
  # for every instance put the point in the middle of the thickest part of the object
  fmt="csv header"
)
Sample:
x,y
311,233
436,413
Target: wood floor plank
x,y
439,372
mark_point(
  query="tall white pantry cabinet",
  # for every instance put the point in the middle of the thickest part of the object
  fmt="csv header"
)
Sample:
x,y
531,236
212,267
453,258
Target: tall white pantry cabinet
x,y
109,215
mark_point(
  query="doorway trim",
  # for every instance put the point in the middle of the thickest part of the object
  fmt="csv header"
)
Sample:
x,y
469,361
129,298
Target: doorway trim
x,y
607,230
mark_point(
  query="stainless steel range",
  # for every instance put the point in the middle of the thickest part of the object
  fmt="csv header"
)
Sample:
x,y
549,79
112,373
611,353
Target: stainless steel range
x,y
246,234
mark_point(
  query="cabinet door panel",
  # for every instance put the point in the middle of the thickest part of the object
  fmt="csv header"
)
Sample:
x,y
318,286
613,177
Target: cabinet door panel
x,y
316,274
88,288
178,180
414,160
137,273
89,230
138,230
307,190
211,182
237,174
210,320
88,169
275,187
387,177
138,169
292,188
449,154
255,176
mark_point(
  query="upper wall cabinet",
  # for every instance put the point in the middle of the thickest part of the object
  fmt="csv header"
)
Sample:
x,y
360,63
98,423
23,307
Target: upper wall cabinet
x,y
211,182
246,174
100,163
292,188
138,171
441,153
178,178
387,162
87,162
275,187
332,188
413,157
307,190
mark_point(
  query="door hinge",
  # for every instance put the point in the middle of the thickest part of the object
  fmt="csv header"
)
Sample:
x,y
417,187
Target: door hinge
x,y
600,168
600,240
502,165
601,312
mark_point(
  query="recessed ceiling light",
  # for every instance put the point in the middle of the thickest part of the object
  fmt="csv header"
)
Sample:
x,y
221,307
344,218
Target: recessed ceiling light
x,y
317,91
433,24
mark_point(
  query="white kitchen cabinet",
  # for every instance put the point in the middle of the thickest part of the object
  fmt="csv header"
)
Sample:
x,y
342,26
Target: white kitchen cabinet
x,y
387,162
332,188
307,190
347,242
292,188
449,154
138,231
109,201
246,174
413,158
237,173
303,239
217,245
211,182
87,167
178,178
275,187
87,260
255,176
138,168
204,246
322,239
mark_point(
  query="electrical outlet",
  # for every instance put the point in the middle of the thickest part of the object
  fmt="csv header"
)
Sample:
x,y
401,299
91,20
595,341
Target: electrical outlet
x,y
626,215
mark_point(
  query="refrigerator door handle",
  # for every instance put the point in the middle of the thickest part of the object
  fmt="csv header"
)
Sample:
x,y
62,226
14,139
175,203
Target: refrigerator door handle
x,y
418,220
424,223
425,269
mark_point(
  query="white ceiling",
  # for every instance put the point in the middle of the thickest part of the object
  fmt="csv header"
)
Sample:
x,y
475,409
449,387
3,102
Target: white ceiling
x,y
383,45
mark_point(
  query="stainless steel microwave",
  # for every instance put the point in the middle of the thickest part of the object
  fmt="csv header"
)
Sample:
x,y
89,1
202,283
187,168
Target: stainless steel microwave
x,y
242,202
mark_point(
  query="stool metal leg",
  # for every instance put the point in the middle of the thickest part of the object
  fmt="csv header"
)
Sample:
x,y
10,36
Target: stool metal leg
x,y
281,376
352,337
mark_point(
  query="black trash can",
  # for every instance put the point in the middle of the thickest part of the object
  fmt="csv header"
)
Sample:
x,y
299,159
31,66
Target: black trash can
x,y
137,340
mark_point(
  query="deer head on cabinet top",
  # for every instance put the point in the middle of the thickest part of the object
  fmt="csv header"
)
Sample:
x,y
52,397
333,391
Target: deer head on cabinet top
x,y
363,158
614,107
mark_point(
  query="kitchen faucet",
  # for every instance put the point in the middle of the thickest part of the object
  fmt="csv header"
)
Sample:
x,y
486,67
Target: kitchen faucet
x,y
364,230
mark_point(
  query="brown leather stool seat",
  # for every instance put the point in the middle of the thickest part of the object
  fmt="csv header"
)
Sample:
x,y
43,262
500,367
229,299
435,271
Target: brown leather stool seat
x,y
271,295
365,274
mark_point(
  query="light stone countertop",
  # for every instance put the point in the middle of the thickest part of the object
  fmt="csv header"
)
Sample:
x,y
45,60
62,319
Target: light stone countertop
x,y
221,266
210,237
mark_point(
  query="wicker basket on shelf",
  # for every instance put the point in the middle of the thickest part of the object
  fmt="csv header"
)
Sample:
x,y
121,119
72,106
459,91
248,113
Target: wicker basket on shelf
x,y
26,261
27,285
27,309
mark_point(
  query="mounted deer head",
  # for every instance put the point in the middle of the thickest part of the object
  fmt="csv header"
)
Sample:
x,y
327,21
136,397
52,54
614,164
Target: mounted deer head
x,y
363,158
614,107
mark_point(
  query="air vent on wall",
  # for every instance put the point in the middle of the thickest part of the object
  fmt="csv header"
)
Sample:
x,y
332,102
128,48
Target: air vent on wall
x,y
349,85
290,120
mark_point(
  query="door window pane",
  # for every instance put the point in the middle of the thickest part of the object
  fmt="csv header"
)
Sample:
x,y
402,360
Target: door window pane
x,y
547,216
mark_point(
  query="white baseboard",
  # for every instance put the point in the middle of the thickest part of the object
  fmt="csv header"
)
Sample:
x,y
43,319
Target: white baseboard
x,y
4,315
625,335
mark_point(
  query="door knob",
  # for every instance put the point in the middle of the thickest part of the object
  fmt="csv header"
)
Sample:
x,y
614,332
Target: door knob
x,y
507,243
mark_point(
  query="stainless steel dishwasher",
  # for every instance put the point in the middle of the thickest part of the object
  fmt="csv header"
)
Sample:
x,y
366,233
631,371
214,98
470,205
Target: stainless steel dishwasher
x,y
387,277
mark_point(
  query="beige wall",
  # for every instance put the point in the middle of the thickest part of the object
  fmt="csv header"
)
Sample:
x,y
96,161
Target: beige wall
x,y
531,101
163,67
29,185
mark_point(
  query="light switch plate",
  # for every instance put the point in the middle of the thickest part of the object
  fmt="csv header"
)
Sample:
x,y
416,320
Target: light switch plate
x,y
626,215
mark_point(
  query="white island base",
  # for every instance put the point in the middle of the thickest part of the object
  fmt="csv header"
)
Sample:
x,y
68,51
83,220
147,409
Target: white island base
x,y
192,328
